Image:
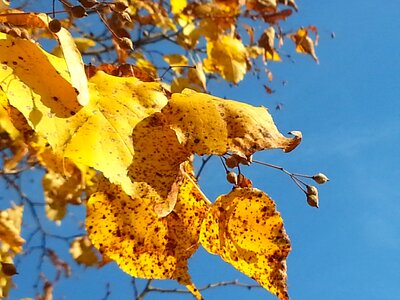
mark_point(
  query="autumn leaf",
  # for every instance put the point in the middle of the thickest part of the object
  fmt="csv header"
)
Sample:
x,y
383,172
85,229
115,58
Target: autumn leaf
x,y
304,44
154,168
206,124
227,56
83,252
71,53
129,231
10,227
266,41
97,135
176,61
244,228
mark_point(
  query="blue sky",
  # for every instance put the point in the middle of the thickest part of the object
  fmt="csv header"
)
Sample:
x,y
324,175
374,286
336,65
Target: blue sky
x,y
345,106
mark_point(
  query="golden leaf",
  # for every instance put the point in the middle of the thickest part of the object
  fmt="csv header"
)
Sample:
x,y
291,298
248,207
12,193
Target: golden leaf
x,y
10,227
6,123
176,61
205,124
228,57
177,6
153,167
83,252
304,44
245,229
59,191
129,231
97,135
72,56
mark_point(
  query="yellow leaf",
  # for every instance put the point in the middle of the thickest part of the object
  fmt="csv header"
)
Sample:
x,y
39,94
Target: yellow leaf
x,y
205,124
6,123
129,231
83,252
197,76
97,135
189,36
245,229
304,44
4,4
176,61
10,227
72,56
59,191
178,84
147,66
177,6
153,167
228,57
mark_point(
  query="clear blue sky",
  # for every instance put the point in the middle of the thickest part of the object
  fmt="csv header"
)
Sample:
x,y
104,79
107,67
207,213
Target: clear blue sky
x,y
346,108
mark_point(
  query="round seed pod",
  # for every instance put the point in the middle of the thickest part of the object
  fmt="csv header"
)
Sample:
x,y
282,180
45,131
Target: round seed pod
x,y
88,3
55,26
231,162
78,11
125,43
232,177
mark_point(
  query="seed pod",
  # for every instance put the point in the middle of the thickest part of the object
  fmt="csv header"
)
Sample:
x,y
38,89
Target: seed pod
x,y
312,200
8,269
231,162
312,196
55,26
244,182
232,177
78,11
320,178
125,43
88,3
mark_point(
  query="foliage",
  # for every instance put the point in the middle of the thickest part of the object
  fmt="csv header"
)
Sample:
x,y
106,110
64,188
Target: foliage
x,y
115,138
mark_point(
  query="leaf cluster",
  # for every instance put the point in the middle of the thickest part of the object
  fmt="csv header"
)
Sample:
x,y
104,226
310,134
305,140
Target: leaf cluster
x,y
121,142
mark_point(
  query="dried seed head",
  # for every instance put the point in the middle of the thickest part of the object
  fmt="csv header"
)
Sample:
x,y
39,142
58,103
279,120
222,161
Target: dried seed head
x,y
231,162
88,3
232,177
55,26
244,182
78,11
320,178
312,196
8,269
125,43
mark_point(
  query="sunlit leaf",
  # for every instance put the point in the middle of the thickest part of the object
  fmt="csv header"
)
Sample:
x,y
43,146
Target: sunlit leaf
x,y
97,135
244,228
129,231
83,252
304,44
227,56
206,124
72,56
176,61
10,227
